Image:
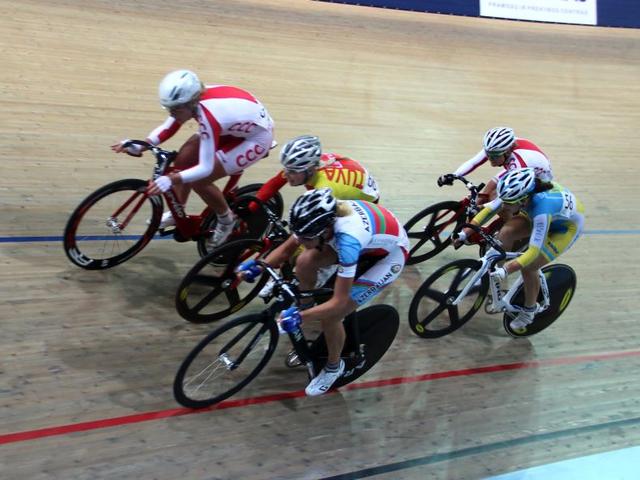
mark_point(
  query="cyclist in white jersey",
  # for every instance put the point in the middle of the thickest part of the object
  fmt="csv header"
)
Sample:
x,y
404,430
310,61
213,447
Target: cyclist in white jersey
x,y
235,131
503,149
337,233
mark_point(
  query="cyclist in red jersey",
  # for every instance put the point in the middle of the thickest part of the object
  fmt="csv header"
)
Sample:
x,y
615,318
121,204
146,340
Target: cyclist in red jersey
x,y
235,131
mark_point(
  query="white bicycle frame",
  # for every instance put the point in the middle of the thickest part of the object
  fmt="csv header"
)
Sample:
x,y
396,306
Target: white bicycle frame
x,y
502,302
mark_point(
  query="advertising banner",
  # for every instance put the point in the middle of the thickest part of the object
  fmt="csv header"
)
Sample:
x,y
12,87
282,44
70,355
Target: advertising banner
x,y
582,12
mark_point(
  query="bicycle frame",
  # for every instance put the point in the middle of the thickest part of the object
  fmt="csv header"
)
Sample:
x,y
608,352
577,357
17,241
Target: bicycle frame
x,y
187,226
500,302
469,208
286,295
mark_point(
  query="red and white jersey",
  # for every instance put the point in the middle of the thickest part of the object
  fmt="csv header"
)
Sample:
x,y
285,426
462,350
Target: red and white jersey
x,y
525,155
223,112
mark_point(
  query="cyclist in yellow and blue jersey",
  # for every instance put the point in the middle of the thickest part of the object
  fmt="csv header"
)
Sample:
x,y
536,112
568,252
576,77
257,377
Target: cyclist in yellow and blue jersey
x,y
556,219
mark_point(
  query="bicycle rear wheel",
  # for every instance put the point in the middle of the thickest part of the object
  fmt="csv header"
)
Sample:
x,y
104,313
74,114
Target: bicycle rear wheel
x,y
211,291
251,224
430,230
562,281
225,361
431,314
378,326
112,225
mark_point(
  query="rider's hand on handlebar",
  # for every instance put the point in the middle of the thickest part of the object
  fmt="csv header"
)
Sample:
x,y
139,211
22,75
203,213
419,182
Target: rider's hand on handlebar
x,y
249,270
461,237
499,273
446,179
289,320
133,150
159,185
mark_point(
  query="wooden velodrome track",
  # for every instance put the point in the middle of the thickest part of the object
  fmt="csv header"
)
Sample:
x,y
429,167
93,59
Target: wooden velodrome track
x,y
88,358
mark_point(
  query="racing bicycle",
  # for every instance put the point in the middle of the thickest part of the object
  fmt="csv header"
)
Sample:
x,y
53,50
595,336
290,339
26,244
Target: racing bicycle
x,y
118,220
453,294
231,356
211,290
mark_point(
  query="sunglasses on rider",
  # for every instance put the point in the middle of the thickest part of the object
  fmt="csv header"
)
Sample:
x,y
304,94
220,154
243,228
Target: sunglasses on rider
x,y
495,156
516,201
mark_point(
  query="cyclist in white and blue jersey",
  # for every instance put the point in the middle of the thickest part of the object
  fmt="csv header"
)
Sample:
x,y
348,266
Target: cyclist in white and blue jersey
x,y
340,233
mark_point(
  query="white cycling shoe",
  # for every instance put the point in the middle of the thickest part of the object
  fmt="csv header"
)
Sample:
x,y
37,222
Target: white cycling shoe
x,y
166,220
221,234
524,318
267,290
323,381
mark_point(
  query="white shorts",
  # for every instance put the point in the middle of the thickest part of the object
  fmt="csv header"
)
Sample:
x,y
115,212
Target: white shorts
x,y
382,274
237,153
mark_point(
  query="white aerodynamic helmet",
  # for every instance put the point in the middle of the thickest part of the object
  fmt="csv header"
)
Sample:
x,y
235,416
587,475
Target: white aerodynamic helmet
x,y
312,213
516,184
179,87
301,153
498,140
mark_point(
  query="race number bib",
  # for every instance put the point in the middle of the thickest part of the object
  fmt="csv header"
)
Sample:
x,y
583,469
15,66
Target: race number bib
x,y
568,205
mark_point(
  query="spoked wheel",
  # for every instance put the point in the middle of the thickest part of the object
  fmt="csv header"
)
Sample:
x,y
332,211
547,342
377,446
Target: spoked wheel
x,y
211,291
561,280
431,314
225,361
112,225
430,230
378,326
249,224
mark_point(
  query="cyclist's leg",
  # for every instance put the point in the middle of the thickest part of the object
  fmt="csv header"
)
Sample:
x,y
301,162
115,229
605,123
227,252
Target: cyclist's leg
x,y
515,228
309,261
187,157
556,243
234,155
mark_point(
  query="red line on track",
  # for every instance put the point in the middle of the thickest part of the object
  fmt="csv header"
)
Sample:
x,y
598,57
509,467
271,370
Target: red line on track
x,y
177,412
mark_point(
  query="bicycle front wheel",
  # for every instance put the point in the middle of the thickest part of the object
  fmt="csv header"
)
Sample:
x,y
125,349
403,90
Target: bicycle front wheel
x,y
430,230
112,225
225,361
211,291
432,314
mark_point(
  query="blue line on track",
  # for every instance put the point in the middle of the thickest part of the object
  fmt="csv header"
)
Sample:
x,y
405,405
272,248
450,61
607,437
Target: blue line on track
x,y
36,239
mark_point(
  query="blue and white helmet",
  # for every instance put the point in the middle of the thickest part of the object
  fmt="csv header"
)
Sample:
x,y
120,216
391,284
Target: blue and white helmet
x,y
516,185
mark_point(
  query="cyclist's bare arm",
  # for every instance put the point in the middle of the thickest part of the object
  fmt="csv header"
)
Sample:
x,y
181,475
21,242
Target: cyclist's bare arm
x,y
283,252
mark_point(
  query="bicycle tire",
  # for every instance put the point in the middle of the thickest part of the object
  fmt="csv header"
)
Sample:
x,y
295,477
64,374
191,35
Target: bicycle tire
x,y
253,224
378,326
90,243
230,337
562,281
210,290
426,320
426,228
